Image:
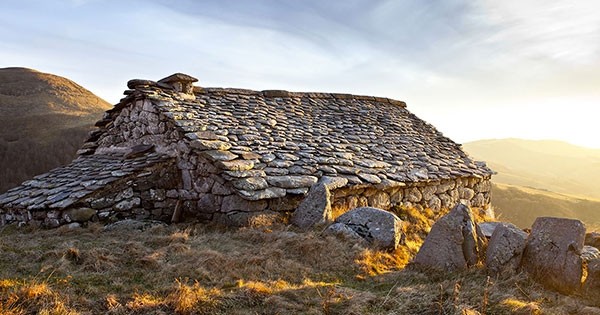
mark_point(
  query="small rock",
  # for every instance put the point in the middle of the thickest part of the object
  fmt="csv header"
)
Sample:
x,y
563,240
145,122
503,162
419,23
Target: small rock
x,y
552,254
81,214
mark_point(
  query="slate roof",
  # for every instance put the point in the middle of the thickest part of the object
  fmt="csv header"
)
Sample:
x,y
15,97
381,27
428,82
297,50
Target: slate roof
x,y
62,187
274,133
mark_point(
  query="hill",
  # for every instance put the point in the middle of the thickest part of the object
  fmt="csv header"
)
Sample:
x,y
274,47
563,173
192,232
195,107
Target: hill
x,y
522,205
542,178
546,165
44,119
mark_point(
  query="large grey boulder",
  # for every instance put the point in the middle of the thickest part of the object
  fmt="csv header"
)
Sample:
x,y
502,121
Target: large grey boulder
x,y
505,249
316,206
452,244
591,287
378,227
552,254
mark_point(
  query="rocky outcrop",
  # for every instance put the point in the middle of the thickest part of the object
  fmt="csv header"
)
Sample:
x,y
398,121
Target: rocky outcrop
x,y
379,228
452,243
552,253
505,249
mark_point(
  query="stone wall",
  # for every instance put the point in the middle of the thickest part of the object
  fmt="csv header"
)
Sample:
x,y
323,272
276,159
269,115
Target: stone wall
x,y
151,194
434,195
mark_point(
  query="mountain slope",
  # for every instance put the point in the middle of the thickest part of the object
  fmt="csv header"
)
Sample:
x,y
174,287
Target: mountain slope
x,y
43,120
548,165
522,205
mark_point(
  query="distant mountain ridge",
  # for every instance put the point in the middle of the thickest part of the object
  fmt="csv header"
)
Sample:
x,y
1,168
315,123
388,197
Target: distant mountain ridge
x,y
44,119
542,164
542,178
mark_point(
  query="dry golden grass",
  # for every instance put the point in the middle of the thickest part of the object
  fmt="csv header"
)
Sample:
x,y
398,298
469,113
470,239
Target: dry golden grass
x,y
273,269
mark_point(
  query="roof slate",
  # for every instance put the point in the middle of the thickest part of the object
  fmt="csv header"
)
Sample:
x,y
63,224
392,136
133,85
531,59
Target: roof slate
x,y
62,187
368,140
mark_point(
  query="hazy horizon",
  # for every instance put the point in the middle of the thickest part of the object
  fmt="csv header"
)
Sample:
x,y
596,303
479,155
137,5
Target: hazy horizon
x,y
479,70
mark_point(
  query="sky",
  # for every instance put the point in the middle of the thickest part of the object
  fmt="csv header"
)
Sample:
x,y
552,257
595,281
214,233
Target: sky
x,y
474,69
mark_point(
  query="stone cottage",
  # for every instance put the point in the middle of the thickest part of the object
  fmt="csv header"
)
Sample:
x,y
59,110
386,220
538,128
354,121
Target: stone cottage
x,y
173,151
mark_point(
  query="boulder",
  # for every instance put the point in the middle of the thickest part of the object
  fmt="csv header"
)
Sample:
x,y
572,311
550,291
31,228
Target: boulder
x,y
505,249
381,228
552,254
316,206
452,244
591,287
592,239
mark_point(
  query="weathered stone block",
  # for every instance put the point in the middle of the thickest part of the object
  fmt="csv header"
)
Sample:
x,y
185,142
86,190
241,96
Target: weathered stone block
x,y
209,203
380,200
127,204
452,243
250,183
428,192
413,194
236,203
80,214
505,249
236,165
552,253
292,181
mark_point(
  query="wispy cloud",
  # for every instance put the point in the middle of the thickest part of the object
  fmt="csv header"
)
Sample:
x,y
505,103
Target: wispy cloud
x,y
448,58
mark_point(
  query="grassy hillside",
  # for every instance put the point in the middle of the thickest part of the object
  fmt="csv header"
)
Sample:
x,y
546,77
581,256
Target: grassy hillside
x,y
522,205
199,269
547,165
44,119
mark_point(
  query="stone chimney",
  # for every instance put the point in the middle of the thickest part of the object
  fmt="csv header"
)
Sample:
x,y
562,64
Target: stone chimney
x,y
180,82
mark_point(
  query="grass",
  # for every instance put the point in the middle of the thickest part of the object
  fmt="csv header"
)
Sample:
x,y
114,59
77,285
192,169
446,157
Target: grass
x,y
200,269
